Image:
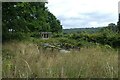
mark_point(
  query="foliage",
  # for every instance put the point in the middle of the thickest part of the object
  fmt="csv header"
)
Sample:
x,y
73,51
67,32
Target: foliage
x,y
107,35
118,24
56,35
79,30
22,18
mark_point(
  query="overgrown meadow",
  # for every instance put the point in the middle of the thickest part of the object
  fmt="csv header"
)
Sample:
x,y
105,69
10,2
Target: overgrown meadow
x,y
91,52
26,60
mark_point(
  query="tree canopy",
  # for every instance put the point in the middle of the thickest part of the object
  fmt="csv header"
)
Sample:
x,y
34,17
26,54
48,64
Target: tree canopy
x,y
118,24
21,19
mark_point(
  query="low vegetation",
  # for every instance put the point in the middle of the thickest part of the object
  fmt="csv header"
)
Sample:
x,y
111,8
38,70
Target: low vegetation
x,y
25,60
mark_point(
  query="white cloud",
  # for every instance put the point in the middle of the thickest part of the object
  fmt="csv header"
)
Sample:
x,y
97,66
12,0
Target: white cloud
x,y
70,10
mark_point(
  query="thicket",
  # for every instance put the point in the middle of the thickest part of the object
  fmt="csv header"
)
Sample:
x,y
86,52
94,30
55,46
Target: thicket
x,y
108,35
84,39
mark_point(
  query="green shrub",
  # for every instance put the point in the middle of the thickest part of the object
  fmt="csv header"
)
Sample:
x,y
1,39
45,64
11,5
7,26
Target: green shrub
x,y
7,54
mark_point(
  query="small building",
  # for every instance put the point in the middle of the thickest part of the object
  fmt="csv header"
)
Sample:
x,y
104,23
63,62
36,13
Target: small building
x,y
46,35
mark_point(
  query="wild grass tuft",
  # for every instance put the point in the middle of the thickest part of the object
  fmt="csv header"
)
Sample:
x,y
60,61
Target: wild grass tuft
x,y
23,60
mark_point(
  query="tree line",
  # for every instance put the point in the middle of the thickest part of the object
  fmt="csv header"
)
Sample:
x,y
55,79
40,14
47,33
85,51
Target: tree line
x,y
108,35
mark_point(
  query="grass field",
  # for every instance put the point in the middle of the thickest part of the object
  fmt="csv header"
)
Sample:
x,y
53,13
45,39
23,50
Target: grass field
x,y
23,60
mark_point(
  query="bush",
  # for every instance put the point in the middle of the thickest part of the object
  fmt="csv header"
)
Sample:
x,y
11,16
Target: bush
x,y
7,54
55,35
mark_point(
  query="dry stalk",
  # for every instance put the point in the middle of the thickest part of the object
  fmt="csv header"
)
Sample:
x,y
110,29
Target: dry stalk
x,y
27,65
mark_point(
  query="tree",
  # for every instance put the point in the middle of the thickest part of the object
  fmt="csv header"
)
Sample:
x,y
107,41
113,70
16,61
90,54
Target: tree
x,y
112,27
118,24
25,18
54,23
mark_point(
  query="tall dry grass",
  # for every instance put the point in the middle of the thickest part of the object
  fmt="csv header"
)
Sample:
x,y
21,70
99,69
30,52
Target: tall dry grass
x,y
23,60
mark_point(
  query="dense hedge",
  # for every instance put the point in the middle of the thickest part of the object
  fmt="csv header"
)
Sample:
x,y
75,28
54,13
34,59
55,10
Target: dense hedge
x,y
101,38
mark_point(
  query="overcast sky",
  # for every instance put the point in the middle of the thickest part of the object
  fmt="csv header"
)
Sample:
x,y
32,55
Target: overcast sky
x,y
84,13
